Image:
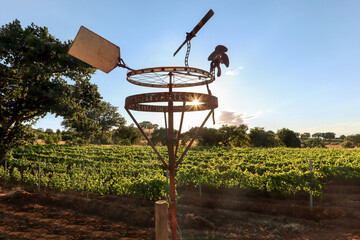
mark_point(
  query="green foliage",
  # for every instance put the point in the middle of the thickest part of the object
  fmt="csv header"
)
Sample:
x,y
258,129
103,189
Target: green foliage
x,y
205,136
260,138
160,137
314,142
146,125
137,172
209,137
34,70
355,139
288,138
95,122
49,131
234,136
15,174
289,183
317,135
149,188
126,135
347,144
52,138
328,135
305,136
4,173
67,135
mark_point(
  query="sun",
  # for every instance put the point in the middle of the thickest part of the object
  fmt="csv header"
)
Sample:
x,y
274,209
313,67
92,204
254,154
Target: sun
x,y
196,102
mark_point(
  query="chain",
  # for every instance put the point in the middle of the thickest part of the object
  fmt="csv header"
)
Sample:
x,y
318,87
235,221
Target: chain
x,y
212,67
213,72
187,54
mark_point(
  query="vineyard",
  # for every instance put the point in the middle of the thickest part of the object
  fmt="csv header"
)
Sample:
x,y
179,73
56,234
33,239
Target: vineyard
x,y
136,171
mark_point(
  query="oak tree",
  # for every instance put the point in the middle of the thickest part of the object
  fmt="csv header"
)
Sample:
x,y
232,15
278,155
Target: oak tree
x,y
38,76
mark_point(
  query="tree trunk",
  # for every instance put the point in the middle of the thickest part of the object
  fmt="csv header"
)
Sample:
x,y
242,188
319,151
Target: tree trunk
x,y
4,131
3,154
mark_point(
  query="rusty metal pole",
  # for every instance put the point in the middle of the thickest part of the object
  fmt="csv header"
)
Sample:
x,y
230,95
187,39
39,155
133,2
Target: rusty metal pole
x,y
173,223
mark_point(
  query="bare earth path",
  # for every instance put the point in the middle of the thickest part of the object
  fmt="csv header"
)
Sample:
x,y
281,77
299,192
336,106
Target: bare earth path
x,y
26,214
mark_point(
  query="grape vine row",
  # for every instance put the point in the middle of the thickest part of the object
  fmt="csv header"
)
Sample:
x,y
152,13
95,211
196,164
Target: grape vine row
x,y
136,171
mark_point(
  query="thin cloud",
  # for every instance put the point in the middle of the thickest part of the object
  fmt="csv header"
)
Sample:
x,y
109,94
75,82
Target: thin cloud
x,y
234,72
232,118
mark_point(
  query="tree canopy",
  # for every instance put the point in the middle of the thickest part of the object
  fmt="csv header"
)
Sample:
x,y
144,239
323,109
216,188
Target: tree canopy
x,y
126,135
261,138
93,124
160,136
234,135
34,70
288,138
355,139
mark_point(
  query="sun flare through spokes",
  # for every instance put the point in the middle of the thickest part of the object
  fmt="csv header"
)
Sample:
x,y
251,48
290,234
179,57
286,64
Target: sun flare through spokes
x,y
195,102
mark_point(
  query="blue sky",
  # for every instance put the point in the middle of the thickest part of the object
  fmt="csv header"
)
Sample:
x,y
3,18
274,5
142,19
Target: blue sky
x,y
293,64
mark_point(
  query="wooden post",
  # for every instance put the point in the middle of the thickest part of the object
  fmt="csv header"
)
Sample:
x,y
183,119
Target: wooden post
x,y
161,220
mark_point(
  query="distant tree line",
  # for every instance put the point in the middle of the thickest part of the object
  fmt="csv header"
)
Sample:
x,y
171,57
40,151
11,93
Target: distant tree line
x,y
227,136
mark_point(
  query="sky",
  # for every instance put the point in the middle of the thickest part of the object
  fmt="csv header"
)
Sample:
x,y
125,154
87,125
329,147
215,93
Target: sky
x,y
293,64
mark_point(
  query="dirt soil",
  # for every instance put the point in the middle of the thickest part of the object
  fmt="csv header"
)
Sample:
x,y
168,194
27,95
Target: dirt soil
x,y
220,214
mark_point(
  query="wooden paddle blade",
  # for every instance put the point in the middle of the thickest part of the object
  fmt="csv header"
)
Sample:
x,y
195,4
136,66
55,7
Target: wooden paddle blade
x,y
212,56
225,59
220,49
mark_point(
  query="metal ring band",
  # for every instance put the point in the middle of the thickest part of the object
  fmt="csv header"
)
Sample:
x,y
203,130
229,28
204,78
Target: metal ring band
x,y
138,102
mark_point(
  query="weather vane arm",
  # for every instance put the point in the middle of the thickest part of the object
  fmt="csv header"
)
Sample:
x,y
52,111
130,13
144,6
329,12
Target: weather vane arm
x,y
192,34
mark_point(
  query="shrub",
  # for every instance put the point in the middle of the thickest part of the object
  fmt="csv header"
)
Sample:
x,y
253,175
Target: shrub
x,y
314,142
16,174
347,144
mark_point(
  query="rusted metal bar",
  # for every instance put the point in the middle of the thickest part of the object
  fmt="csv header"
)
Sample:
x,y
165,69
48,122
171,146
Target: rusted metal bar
x,y
141,102
173,222
179,133
147,138
193,139
209,92
165,121
192,34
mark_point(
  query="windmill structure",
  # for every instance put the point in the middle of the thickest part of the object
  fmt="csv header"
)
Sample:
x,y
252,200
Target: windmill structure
x,y
105,56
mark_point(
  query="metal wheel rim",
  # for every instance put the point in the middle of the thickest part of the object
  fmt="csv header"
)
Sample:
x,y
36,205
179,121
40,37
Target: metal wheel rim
x,y
158,77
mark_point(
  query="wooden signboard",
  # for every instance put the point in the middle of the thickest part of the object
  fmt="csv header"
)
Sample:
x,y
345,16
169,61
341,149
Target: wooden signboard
x,y
95,50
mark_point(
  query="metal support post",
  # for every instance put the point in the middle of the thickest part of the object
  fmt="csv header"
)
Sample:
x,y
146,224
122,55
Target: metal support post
x,y
147,138
173,223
